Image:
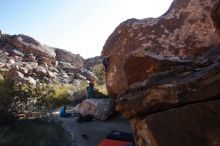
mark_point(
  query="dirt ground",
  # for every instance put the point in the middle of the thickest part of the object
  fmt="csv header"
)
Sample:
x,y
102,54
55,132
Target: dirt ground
x,y
95,130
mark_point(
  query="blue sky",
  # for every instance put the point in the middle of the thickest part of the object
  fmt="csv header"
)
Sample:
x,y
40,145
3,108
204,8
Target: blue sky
x,y
80,26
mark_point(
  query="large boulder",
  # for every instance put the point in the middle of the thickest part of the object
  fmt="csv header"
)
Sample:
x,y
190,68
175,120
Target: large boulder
x,y
99,108
165,74
68,67
176,83
66,56
88,74
29,45
186,30
44,60
191,125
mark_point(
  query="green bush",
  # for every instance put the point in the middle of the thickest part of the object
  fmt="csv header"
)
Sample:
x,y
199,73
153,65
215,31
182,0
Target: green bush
x,y
99,71
101,91
18,98
61,95
6,102
100,85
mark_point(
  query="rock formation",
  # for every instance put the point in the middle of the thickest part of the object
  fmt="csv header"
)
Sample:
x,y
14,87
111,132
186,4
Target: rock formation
x,y
25,59
99,108
30,46
66,56
165,74
184,31
90,62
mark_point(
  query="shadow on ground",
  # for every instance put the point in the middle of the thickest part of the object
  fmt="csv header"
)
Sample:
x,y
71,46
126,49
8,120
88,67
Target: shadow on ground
x,y
91,133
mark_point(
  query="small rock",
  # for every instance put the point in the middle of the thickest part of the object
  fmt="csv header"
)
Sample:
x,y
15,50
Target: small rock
x,y
15,75
40,70
30,80
23,70
11,60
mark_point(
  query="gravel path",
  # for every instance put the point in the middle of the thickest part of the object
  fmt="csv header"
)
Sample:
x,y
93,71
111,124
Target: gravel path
x,y
95,130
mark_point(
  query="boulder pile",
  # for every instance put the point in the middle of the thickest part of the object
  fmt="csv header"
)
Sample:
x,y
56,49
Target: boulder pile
x,y
25,59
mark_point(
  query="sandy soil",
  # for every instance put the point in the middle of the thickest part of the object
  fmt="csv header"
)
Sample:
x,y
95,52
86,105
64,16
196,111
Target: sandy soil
x,y
95,130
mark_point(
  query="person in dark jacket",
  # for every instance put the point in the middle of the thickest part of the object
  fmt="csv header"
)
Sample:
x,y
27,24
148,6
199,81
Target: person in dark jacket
x,y
105,62
90,89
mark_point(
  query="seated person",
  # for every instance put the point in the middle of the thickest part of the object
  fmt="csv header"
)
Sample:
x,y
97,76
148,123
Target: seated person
x,y
63,112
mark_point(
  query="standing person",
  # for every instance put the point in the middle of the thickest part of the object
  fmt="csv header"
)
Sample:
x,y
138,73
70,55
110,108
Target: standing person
x,y
90,89
105,62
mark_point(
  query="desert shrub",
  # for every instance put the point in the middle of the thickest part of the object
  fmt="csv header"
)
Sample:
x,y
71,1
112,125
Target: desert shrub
x,y
67,95
83,84
78,93
100,85
101,91
62,95
18,98
99,71
41,97
6,101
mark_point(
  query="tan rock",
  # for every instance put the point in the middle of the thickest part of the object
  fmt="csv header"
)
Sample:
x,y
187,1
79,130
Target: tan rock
x,y
40,71
44,60
29,80
66,56
99,108
29,45
23,70
11,60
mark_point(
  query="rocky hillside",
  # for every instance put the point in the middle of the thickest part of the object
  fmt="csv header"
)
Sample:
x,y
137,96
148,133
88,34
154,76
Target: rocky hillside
x,y
91,62
165,74
25,59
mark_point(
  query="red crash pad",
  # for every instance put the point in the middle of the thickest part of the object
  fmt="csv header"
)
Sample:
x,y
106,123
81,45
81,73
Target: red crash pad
x,y
110,142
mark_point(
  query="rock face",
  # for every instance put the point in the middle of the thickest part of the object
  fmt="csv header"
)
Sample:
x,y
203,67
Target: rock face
x,y
165,74
30,46
88,74
66,56
185,30
192,125
90,62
